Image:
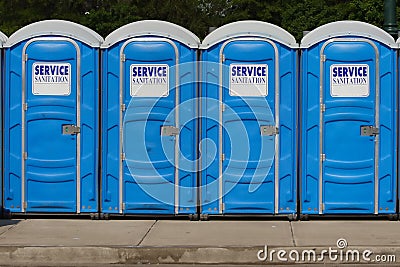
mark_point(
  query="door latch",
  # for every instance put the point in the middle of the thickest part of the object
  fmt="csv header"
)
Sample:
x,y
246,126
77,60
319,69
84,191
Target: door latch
x,y
169,131
269,130
70,129
369,130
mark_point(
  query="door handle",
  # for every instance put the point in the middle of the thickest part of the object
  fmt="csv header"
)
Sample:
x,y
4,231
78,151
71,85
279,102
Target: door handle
x,y
369,130
70,129
169,131
269,130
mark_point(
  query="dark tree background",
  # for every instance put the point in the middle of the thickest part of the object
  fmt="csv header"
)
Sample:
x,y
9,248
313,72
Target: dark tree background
x,y
104,16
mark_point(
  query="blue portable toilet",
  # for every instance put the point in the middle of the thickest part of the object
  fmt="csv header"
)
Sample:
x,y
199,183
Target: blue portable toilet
x,y
3,39
149,126
348,160
248,148
51,119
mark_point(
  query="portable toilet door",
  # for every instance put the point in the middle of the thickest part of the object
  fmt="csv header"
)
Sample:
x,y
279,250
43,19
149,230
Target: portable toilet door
x,y
249,120
3,39
149,127
51,118
348,120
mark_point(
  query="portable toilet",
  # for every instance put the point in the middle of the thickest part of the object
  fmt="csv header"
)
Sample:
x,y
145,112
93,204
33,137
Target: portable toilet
x,y
149,126
3,39
51,119
248,148
348,125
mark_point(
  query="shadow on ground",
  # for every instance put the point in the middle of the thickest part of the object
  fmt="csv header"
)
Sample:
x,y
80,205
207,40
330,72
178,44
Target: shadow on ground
x,y
8,222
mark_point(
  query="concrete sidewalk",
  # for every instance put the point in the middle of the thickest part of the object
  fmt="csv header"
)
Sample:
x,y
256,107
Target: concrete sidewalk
x,y
77,242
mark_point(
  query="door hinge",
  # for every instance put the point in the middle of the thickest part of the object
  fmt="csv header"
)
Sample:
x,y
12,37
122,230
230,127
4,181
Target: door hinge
x,y
223,206
369,130
169,130
25,205
323,157
269,130
322,207
123,206
25,57
123,107
123,57
223,58
222,156
222,107
123,156
25,155
25,106
323,58
323,107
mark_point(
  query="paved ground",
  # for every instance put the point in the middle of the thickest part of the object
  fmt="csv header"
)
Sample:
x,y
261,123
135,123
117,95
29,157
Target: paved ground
x,y
72,242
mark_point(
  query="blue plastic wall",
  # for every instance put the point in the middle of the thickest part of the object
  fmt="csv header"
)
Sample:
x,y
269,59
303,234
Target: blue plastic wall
x,y
348,182
51,182
249,184
148,182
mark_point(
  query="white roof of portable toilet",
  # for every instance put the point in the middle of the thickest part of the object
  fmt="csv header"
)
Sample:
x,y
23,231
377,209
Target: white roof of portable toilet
x,y
58,28
347,28
3,39
152,27
250,28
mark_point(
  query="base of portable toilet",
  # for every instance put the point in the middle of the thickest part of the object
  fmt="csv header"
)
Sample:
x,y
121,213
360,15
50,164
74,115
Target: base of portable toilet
x,y
146,125
348,124
249,74
51,121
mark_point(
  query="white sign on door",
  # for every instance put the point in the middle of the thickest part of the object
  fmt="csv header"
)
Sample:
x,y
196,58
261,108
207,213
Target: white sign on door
x,y
248,80
349,80
51,78
149,80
